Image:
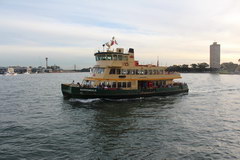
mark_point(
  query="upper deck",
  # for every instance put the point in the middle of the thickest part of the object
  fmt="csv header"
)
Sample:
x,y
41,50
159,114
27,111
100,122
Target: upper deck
x,y
117,65
115,59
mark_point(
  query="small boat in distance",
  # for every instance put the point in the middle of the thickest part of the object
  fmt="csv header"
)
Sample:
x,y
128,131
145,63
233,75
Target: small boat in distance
x,y
118,75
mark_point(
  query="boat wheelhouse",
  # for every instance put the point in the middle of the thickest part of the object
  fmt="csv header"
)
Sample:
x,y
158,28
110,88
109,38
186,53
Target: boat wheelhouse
x,y
118,75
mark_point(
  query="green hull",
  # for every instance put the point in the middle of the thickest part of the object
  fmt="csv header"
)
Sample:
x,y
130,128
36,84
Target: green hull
x,y
70,91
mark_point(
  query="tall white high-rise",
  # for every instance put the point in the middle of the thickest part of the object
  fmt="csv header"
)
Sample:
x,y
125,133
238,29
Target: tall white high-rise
x,y
215,56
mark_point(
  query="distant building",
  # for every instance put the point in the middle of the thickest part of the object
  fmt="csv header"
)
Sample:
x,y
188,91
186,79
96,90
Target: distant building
x,y
3,70
53,68
29,69
17,69
10,70
215,56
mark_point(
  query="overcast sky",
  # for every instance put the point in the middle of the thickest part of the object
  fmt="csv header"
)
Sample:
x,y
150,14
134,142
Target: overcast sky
x,y
68,32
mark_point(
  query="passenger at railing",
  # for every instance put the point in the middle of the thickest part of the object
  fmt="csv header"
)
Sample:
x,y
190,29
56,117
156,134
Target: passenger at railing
x,y
100,86
72,84
106,87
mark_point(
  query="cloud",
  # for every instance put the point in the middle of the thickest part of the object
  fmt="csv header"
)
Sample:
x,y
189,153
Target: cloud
x,y
176,31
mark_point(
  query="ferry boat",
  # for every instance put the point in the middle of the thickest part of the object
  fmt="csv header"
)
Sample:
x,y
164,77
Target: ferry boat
x,y
117,75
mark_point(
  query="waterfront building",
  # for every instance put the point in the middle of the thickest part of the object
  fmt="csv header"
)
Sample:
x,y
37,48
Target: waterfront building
x,y
3,70
17,69
215,56
10,70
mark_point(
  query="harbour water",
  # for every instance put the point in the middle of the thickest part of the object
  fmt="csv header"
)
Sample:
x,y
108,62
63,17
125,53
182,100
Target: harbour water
x,y
37,123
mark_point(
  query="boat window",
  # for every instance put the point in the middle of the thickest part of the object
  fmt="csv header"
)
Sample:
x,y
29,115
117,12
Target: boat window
x,y
150,72
124,85
137,71
145,72
133,72
112,71
120,57
109,84
125,58
164,82
109,57
129,71
114,85
142,72
159,83
124,71
153,72
114,57
104,57
87,83
119,84
154,83
97,58
118,71
129,84
98,70
93,70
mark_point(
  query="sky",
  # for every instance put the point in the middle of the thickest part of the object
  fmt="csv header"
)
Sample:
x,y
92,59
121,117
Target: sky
x,y
68,32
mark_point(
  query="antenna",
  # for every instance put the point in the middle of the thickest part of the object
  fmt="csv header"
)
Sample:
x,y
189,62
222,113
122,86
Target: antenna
x,y
103,47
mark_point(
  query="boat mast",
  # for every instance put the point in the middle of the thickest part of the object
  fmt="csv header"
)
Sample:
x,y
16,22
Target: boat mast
x,y
109,44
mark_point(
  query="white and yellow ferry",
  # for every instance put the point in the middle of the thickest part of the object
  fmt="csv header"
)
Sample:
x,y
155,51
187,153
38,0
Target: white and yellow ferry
x,y
118,75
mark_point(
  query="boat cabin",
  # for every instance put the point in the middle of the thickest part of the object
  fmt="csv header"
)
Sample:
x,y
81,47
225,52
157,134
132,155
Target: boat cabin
x,y
119,70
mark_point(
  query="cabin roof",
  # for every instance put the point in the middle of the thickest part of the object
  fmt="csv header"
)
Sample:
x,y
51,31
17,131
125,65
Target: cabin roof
x,y
99,53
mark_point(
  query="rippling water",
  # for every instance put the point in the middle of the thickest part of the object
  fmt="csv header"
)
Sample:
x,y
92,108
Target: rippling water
x,y
37,123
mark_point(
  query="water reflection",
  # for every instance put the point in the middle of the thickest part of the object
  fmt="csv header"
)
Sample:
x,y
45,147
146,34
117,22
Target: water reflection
x,y
121,125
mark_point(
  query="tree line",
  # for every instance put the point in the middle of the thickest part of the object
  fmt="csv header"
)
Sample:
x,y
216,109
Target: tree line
x,y
228,67
199,67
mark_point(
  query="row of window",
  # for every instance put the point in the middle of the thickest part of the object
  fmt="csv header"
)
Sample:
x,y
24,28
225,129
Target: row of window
x,y
111,57
135,71
98,70
152,83
115,85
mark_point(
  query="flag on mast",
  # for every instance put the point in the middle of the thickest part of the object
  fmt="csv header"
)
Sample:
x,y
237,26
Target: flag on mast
x,y
113,41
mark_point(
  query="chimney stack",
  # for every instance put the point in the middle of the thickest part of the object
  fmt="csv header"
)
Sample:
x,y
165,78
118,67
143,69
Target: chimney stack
x,y
46,62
